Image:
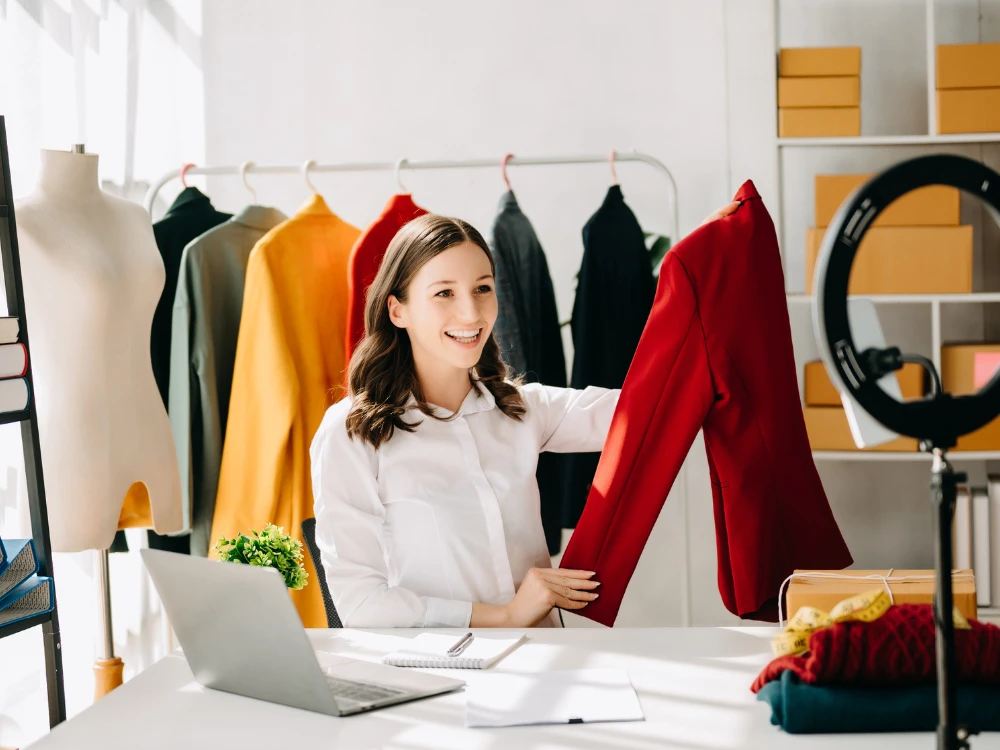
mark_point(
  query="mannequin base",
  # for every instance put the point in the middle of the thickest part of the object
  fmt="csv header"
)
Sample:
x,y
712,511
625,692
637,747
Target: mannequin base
x,y
107,676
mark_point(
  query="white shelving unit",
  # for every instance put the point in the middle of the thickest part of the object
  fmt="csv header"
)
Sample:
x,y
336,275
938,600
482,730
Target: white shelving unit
x,y
800,304
911,299
917,456
891,140
936,301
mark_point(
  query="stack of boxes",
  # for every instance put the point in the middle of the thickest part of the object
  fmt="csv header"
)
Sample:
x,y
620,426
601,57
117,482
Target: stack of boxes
x,y
965,368
826,420
968,88
819,92
916,246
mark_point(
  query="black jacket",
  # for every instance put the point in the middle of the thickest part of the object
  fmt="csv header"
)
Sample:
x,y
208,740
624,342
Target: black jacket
x,y
190,216
527,330
614,295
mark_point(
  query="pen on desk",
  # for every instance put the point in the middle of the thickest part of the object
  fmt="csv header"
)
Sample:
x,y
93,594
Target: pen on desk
x,y
459,647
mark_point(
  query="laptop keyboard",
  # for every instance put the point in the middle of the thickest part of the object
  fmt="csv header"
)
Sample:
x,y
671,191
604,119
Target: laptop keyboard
x,y
360,692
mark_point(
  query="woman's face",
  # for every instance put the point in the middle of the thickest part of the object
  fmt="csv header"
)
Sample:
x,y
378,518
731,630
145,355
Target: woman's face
x,y
450,309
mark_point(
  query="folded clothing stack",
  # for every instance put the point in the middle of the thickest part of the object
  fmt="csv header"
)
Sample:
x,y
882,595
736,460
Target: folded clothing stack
x,y
879,676
815,709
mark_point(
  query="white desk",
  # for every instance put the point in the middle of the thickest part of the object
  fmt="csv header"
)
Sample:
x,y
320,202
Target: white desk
x,y
693,684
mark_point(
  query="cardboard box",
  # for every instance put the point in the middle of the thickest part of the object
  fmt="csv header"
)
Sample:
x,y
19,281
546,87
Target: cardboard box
x,y
905,260
819,61
838,91
968,111
958,366
934,205
829,431
820,391
958,377
985,366
968,66
819,122
826,593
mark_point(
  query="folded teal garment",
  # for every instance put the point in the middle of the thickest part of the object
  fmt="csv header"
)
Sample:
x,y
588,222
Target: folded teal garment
x,y
833,709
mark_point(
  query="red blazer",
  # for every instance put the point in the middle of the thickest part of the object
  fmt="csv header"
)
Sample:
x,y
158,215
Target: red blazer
x,y
716,354
366,257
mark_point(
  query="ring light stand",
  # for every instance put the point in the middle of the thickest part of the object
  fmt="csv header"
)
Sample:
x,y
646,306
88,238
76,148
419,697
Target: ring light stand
x,y
937,421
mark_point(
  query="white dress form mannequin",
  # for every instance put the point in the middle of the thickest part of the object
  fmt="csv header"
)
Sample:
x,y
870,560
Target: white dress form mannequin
x,y
92,278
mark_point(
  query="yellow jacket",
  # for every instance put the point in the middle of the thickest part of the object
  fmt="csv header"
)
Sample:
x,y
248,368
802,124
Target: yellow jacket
x,y
289,368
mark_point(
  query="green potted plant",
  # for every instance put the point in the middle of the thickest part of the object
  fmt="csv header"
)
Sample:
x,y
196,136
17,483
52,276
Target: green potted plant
x,y
270,548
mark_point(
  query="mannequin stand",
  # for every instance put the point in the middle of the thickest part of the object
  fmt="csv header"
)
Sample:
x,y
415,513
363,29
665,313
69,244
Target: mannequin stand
x,y
108,667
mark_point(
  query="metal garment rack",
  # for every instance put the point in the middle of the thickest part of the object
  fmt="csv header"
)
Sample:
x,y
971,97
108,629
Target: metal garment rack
x,y
615,157
30,445
311,167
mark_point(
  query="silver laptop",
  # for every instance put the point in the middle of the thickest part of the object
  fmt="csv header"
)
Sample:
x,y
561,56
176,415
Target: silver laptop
x,y
241,633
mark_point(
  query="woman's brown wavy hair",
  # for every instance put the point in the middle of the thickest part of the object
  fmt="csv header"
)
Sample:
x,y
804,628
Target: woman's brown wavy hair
x,y
382,377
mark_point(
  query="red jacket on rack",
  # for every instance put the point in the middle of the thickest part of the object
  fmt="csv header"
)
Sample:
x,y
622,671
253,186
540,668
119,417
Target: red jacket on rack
x,y
366,257
716,354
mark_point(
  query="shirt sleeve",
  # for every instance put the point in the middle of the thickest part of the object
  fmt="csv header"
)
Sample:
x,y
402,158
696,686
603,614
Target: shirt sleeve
x,y
349,533
571,420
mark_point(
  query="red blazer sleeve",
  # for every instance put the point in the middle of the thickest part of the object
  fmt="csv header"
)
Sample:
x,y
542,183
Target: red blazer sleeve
x,y
666,397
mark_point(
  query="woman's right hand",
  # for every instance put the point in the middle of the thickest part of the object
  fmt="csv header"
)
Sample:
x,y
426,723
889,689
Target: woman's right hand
x,y
545,588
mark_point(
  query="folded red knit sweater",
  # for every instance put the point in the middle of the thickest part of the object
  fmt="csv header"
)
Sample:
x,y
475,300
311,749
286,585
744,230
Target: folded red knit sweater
x,y
895,649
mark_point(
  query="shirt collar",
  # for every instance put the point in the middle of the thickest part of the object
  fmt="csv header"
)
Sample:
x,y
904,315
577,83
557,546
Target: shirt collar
x,y
315,206
478,400
507,201
614,195
263,218
189,196
402,208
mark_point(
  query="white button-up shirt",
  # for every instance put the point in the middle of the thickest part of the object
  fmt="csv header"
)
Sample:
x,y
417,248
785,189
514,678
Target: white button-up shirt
x,y
412,534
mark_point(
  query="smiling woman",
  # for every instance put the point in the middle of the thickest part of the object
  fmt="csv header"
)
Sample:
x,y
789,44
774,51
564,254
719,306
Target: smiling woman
x,y
427,508
429,319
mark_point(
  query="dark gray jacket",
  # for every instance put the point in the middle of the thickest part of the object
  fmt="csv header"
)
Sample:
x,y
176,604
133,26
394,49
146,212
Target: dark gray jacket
x,y
527,329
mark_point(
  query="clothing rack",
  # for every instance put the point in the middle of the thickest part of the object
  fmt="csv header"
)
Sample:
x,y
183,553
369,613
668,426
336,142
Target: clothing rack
x,y
28,418
312,167
376,166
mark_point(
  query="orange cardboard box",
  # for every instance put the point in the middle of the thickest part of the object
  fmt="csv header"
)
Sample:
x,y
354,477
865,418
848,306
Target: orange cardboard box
x,y
836,91
958,366
829,431
905,260
820,391
958,372
819,61
819,122
934,205
968,111
826,593
968,66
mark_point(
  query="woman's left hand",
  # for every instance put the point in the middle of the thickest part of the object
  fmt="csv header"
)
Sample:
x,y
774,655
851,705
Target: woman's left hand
x,y
724,211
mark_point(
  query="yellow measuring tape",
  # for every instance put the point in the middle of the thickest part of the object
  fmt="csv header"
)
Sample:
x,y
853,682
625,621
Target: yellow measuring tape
x,y
866,607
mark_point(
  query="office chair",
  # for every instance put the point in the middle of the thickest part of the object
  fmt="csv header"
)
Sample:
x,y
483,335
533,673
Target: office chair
x,y
309,536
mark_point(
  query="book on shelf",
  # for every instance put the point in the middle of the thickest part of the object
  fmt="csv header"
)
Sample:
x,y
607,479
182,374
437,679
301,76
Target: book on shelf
x,y
32,597
14,395
981,553
20,563
994,490
962,529
10,327
13,360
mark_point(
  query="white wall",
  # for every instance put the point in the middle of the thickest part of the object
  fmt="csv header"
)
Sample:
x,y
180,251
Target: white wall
x,y
691,83
882,508
449,79
124,79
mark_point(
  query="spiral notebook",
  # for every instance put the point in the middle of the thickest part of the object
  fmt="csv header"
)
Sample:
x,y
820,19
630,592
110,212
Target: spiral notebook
x,y
429,650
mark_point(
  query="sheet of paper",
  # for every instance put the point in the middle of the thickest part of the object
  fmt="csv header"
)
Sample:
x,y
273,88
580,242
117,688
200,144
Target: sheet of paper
x,y
504,699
